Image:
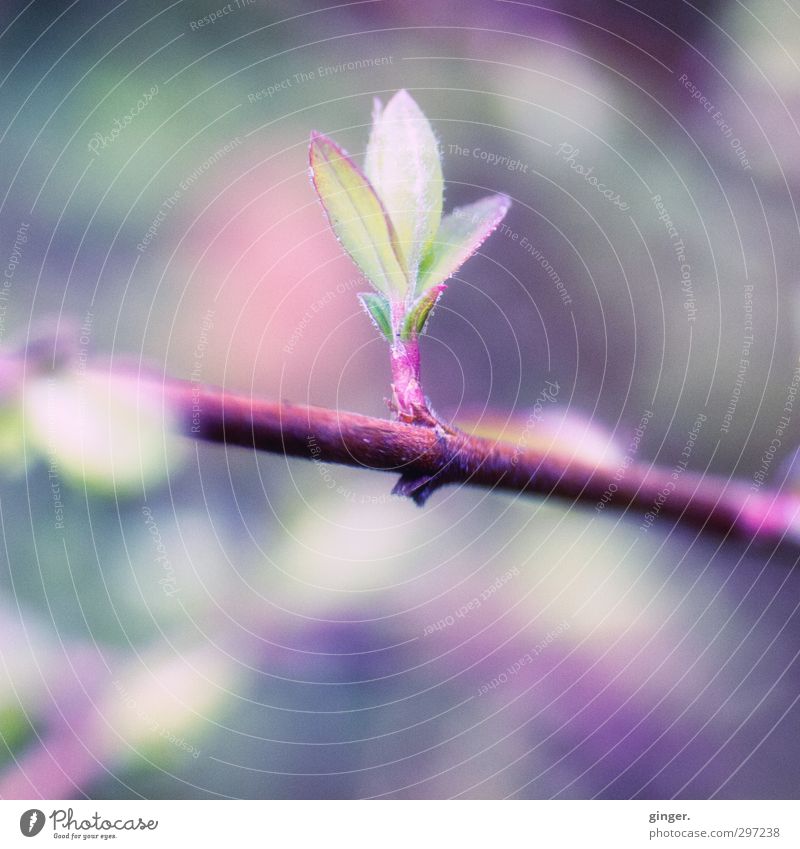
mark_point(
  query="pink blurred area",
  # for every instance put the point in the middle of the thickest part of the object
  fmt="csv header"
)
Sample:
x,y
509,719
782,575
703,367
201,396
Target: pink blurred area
x,y
269,283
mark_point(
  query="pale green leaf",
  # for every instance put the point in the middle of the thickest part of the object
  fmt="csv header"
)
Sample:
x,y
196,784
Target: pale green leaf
x,y
357,216
403,165
420,311
462,232
380,311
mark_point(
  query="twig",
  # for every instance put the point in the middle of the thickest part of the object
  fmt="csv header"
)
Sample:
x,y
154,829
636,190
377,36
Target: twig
x,y
427,458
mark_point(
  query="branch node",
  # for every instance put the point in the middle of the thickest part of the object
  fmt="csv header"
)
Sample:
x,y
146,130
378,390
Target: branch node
x,y
418,488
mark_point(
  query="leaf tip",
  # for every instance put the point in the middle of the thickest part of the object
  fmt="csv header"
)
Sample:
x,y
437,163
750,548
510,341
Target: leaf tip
x,y
402,106
315,141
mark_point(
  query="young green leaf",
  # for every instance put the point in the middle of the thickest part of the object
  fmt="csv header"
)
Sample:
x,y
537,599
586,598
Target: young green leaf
x,y
402,163
462,232
379,310
420,311
357,216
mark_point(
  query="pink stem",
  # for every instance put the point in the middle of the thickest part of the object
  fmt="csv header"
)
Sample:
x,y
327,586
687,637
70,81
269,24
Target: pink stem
x,y
408,396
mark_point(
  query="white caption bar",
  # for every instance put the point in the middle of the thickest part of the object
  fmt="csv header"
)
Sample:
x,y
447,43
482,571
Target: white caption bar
x,y
390,824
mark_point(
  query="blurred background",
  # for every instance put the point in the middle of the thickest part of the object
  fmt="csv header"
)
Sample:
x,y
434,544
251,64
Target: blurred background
x,y
182,620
